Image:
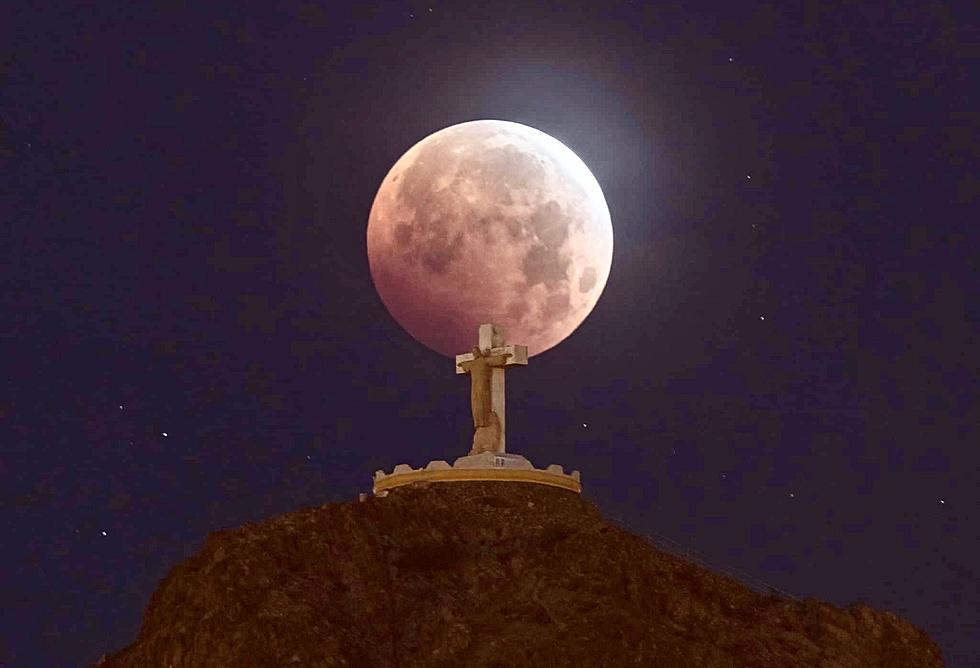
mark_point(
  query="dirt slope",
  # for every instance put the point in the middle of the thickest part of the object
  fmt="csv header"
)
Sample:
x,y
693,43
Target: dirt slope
x,y
484,574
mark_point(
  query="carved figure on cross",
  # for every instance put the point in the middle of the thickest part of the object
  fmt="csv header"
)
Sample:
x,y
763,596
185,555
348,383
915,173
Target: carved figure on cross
x,y
486,364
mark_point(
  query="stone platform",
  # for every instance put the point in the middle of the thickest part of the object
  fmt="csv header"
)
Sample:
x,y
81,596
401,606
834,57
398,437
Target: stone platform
x,y
487,466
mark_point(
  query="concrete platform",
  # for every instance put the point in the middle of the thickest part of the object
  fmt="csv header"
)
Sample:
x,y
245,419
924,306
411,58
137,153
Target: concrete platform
x,y
506,467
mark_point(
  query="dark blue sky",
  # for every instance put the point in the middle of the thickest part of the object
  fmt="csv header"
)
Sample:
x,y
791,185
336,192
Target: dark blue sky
x,y
780,374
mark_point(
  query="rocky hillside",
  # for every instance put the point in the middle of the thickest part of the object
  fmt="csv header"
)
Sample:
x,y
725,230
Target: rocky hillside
x,y
484,574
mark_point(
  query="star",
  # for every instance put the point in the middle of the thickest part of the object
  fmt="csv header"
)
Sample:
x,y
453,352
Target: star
x,y
792,496
731,60
748,176
942,502
762,317
104,533
164,433
120,407
584,425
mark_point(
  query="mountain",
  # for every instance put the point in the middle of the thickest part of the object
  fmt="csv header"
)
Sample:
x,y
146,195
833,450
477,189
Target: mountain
x,y
482,574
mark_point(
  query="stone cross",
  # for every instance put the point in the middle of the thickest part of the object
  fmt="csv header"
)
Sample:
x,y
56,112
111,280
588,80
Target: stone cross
x,y
486,366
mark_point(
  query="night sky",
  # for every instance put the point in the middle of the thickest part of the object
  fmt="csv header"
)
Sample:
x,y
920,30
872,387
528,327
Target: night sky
x,y
780,374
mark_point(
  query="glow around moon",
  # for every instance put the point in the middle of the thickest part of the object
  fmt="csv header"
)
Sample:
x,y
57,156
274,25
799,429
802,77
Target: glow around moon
x,y
489,221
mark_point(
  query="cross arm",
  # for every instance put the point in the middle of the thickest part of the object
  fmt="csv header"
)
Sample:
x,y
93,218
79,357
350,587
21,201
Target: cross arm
x,y
518,356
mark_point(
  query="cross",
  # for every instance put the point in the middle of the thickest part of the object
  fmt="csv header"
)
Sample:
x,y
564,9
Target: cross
x,y
486,366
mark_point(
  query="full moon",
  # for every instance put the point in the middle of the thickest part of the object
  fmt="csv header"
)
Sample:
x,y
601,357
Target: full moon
x,y
489,221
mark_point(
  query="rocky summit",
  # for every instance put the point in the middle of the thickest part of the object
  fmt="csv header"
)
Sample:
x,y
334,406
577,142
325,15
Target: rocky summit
x,y
484,574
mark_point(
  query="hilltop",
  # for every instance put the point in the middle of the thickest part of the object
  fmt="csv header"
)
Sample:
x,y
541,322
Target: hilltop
x,y
484,574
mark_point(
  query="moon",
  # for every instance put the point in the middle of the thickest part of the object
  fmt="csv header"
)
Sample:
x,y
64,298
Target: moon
x,y
489,221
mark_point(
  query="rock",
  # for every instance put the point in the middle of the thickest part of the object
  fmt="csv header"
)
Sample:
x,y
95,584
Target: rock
x,y
484,574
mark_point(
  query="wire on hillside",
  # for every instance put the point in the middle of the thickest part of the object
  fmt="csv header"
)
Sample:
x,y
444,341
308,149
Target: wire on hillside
x,y
678,550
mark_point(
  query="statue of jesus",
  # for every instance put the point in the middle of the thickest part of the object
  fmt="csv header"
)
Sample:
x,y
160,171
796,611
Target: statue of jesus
x,y
486,422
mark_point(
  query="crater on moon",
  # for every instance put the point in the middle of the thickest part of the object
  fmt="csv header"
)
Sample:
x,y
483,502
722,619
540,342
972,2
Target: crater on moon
x,y
489,221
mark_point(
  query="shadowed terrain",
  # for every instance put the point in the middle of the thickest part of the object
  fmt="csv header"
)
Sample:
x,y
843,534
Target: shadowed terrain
x,y
484,574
